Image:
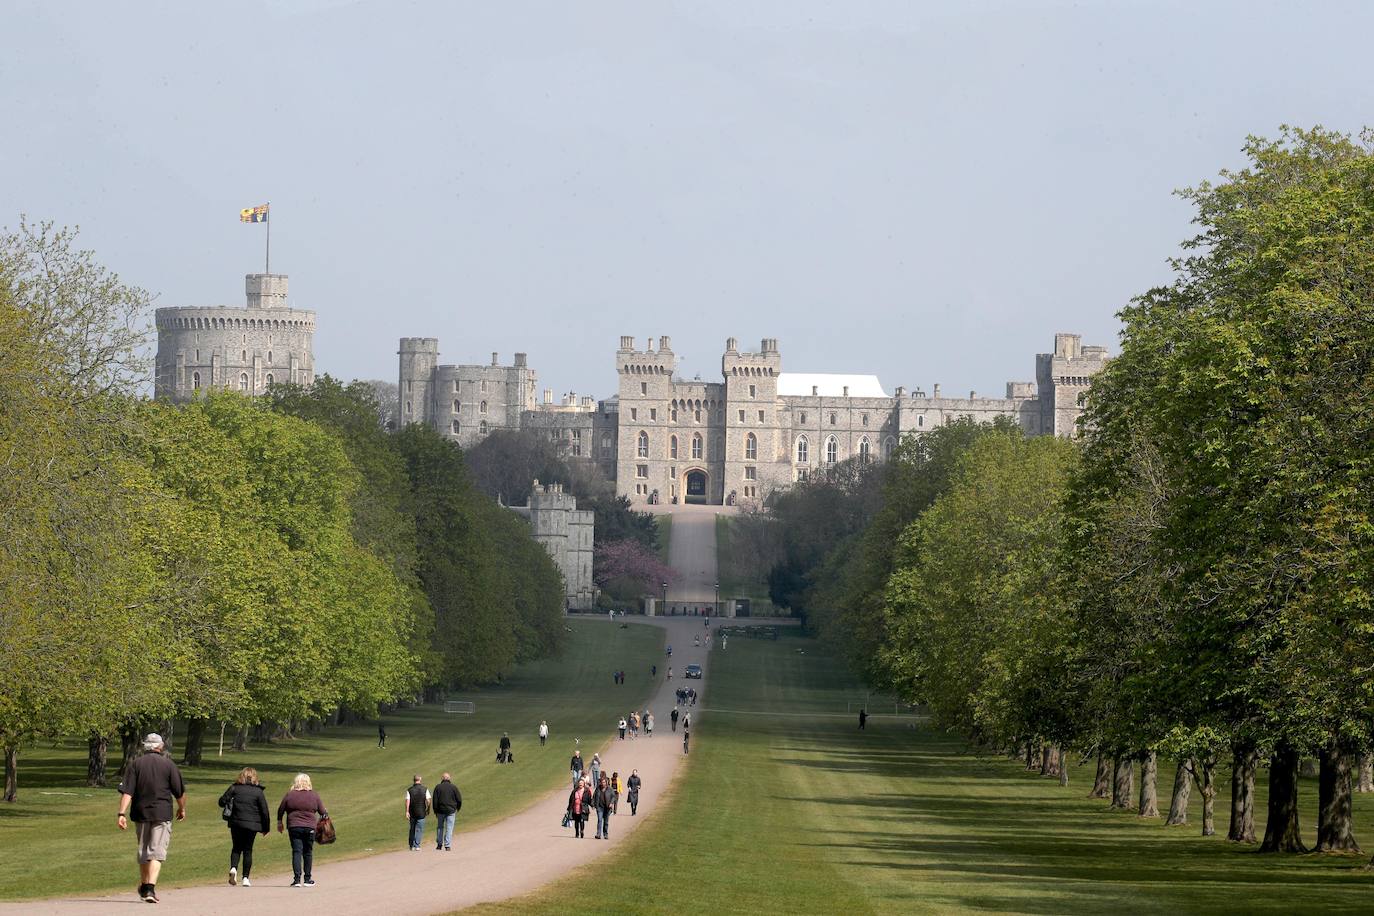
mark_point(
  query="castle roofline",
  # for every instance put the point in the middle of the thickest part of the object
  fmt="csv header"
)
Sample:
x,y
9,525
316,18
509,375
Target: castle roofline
x,y
829,385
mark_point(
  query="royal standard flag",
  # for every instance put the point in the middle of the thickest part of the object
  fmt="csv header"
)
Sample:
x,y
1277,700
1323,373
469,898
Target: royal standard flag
x,y
253,214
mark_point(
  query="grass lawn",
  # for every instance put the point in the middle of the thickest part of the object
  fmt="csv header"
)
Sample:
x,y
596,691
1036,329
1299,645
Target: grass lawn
x,y
790,811
665,535
739,583
60,837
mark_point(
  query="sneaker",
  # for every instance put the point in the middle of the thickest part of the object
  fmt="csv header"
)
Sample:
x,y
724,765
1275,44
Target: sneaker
x,y
309,882
296,882
245,882
143,891
233,876
152,895
448,849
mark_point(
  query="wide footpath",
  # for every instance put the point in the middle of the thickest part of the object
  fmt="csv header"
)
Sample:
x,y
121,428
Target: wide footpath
x,y
510,857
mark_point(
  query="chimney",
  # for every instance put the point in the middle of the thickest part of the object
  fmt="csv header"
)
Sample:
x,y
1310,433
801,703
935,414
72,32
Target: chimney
x,y
846,391
937,390
520,360
649,345
493,358
901,392
664,343
627,343
972,395
815,391
587,400
731,345
548,395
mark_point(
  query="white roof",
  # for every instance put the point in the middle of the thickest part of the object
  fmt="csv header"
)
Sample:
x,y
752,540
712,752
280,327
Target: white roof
x,y
830,385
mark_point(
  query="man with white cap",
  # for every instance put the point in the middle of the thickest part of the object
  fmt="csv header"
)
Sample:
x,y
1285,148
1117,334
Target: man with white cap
x,y
150,784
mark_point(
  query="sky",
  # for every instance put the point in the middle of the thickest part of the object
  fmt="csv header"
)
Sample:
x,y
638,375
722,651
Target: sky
x,y
926,192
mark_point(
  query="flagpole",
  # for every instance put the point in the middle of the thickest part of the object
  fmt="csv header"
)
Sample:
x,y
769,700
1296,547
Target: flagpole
x,y
268,266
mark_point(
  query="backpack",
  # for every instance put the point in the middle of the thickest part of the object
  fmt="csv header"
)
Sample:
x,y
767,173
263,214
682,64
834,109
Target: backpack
x,y
227,812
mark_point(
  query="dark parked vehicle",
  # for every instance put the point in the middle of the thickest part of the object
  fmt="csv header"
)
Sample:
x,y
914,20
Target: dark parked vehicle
x,y
693,671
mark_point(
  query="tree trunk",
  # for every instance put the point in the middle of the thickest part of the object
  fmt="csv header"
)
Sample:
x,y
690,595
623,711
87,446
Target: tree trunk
x,y
11,772
241,739
1183,788
1335,819
1367,772
128,745
1123,783
97,754
195,742
1102,783
1063,767
1308,768
1204,770
1282,832
1149,789
1243,797
1050,765
1037,755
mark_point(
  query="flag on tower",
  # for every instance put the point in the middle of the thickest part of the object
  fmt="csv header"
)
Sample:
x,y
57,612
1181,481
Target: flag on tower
x,y
253,214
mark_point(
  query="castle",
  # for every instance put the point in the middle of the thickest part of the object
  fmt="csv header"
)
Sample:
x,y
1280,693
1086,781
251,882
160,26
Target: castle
x,y
566,533
243,349
666,439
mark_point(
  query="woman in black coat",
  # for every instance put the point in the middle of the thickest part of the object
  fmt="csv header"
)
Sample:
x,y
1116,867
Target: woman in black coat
x,y
633,784
580,807
249,817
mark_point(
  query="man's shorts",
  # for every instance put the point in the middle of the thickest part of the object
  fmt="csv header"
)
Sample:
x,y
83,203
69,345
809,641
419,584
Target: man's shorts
x,y
153,837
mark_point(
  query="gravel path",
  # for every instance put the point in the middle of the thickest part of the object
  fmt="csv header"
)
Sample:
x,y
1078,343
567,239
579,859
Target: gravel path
x,y
508,858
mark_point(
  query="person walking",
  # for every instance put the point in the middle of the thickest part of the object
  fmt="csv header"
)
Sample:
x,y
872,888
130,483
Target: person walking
x,y
417,806
448,801
603,800
615,790
674,717
863,718
670,672
649,724
596,769
622,725
579,807
576,766
543,733
686,739
246,802
653,669
632,796
381,735
503,749
150,784
687,721
302,809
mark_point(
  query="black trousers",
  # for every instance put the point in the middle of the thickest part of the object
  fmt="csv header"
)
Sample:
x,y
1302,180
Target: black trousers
x,y
243,838
580,824
302,850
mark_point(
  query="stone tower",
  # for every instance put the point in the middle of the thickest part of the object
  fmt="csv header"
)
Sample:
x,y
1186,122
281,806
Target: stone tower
x,y
419,356
241,349
752,431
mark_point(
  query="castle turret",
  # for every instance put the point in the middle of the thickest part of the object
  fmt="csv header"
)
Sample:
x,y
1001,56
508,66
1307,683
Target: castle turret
x,y
418,357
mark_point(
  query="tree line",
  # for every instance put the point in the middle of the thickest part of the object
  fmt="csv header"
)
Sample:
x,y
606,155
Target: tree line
x,y
1191,580
261,564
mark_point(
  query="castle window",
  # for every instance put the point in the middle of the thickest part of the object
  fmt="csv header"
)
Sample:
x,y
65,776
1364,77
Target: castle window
x,y
920,421
696,446
751,473
243,381
803,450
832,450
270,380
751,447
634,413
577,449
407,408
245,356
195,381
482,428
674,414
698,415
863,450
888,445
484,385
801,419
643,387
753,391
408,386
833,416
741,416
456,428
269,356
653,413
643,444
483,407
672,447
642,470
605,446
761,416
197,356
455,386
577,435
801,475
865,419
457,406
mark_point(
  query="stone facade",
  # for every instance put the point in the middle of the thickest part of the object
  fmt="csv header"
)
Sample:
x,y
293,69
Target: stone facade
x,y
566,533
242,349
664,439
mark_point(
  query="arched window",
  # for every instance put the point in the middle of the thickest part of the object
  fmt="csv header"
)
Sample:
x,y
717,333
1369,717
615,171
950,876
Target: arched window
x,y
269,380
195,381
456,428
696,446
751,447
457,406
243,381
920,422
269,356
672,447
482,427
245,356
484,407
832,418
863,450
803,449
888,444
832,450
864,418
605,446
643,442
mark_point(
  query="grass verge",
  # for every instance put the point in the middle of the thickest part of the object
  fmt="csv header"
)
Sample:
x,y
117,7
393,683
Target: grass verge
x,y
785,807
665,535
59,838
738,579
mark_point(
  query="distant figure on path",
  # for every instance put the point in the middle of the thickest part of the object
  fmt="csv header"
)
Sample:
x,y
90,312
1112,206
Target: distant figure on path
x,y
575,765
381,735
543,733
670,672
150,784
674,717
686,739
633,784
687,721
653,669
302,809
622,725
503,754
579,807
417,806
596,769
448,801
249,816
603,800
615,788
863,718
649,725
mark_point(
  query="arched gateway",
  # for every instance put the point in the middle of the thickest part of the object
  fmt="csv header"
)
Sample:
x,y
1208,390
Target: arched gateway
x,y
696,486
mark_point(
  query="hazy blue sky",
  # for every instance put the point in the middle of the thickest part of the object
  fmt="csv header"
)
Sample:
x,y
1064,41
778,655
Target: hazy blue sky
x,y
923,191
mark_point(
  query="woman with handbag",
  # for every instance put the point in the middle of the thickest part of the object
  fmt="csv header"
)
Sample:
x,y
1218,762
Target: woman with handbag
x,y
245,812
302,809
580,807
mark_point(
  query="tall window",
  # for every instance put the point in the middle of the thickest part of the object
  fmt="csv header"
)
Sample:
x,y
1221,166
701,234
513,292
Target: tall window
x,y
457,406
696,446
888,444
863,450
483,408
672,447
605,446
802,418
643,387
751,447
455,427
803,448
484,384
269,380
832,450
643,445
482,427
865,419
195,381
832,418
243,381
753,391
920,422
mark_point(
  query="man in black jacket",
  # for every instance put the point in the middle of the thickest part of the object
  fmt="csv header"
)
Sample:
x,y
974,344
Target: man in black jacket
x,y
448,801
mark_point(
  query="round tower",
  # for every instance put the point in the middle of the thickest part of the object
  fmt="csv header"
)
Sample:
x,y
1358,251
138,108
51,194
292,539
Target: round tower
x,y
418,358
